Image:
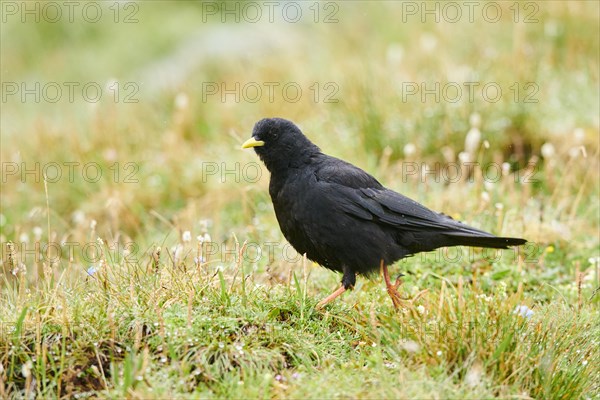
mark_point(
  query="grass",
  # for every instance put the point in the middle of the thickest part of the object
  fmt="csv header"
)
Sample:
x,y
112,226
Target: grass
x,y
173,279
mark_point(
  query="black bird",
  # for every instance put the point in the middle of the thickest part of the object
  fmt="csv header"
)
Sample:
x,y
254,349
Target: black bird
x,y
344,219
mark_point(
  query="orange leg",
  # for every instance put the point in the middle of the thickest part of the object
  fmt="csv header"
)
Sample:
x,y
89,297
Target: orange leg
x,y
331,297
392,289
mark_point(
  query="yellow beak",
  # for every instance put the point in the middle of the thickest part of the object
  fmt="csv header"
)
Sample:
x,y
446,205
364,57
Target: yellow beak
x,y
252,143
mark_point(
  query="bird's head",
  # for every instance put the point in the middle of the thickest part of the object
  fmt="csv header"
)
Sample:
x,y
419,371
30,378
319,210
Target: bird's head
x,y
279,143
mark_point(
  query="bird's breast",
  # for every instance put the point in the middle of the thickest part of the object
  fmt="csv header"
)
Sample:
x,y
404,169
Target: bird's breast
x,y
298,210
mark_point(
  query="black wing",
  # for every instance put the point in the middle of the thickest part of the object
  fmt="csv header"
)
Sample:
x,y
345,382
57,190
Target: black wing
x,y
362,196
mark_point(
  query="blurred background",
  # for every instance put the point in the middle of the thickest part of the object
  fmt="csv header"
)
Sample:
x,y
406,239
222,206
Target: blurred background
x,y
121,125
156,99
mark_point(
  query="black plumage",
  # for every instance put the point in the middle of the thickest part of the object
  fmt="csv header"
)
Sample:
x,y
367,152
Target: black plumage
x,y
343,218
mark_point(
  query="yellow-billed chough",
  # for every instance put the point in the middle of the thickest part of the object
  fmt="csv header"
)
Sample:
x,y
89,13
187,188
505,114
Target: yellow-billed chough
x,y
343,218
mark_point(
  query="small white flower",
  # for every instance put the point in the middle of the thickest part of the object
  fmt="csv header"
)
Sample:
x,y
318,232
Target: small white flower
x,y
181,101
110,154
523,311
19,269
547,150
409,149
421,309
37,232
176,250
93,224
475,120
439,353
26,369
24,238
579,135
485,196
186,236
78,217
472,141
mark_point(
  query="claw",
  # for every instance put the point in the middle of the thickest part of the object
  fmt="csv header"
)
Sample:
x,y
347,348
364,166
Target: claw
x,y
398,282
392,289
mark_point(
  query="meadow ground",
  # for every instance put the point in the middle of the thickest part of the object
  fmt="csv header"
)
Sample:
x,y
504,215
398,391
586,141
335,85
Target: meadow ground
x,y
141,257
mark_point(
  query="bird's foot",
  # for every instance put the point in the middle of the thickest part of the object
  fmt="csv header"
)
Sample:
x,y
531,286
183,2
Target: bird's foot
x,y
392,289
331,297
399,301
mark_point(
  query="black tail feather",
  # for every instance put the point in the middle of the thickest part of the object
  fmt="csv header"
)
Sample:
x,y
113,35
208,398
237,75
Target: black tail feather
x,y
495,242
